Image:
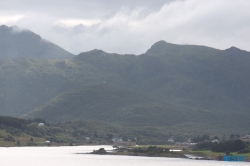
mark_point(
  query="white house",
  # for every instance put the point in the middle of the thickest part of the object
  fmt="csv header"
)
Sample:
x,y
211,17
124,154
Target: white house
x,y
40,124
170,140
246,137
117,139
215,140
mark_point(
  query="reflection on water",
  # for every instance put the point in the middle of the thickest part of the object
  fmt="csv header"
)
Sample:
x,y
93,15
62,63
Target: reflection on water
x,y
67,156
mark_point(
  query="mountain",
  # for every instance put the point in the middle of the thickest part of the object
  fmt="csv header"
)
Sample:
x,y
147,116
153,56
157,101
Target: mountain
x,y
198,77
28,83
192,86
211,78
15,42
116,105
109,103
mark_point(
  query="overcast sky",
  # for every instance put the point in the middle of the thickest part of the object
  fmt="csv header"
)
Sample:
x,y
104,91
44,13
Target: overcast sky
x,y
132,26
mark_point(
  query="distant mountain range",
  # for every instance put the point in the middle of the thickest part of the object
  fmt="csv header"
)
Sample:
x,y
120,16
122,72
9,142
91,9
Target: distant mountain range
x,y
185,86
15,42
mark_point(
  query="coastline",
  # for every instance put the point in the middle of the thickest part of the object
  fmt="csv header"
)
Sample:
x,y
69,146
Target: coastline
x,y
171,154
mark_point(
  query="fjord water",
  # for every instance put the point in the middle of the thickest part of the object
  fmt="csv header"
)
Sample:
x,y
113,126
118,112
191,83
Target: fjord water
x,y
67,156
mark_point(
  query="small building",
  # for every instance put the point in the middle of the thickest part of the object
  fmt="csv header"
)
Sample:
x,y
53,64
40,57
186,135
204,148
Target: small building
x,y
246,137
115,139
189,140
170,140
216,140
40,124
47,142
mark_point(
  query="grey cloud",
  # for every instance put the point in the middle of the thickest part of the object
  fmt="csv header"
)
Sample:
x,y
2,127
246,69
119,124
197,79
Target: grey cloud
x,y
77,8
133,26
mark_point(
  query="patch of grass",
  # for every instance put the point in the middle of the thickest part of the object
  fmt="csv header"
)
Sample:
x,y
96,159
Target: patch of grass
x,y
215,154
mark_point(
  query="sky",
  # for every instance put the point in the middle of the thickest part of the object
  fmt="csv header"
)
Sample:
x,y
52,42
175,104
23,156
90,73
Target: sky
x,y
132,26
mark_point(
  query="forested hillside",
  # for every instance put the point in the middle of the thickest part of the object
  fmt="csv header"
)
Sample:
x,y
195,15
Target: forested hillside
x,y
169,85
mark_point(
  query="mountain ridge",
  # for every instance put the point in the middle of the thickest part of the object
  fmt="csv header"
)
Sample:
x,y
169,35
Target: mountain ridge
x,y
175,47
206,85
15,42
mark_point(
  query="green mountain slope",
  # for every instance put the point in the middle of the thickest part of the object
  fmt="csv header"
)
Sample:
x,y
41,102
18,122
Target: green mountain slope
x,y
211,77
210,85
24,43
111,104
194,76
28,83
108,103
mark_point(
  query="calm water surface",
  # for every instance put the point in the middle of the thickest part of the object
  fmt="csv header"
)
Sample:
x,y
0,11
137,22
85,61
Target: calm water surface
x,y
66,156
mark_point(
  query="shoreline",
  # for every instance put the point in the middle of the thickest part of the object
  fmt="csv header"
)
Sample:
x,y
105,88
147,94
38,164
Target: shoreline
x,y
169,154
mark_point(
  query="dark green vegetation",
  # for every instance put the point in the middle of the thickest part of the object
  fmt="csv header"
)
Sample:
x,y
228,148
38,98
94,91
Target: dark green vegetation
x,y
243,151
111,104
227,146
218,150
13,122
180,89
20,132
152,151
149,151
99,151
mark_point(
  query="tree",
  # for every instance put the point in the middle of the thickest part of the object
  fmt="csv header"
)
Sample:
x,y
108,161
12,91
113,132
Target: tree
x,y
110,136
205,137
95,135
230,145
227,153
239,145
99,151
216,137
223,138
125,138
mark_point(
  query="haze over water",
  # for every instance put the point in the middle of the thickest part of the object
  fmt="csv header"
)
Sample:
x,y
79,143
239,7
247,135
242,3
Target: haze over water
x,y
67,156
